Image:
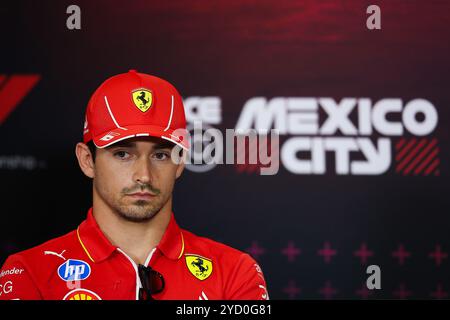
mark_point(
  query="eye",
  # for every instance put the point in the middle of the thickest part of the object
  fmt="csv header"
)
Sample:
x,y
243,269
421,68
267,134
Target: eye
x,y
161,155
121,155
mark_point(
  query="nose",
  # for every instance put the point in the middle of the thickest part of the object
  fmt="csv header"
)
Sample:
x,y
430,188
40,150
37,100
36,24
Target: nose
x,y
142,172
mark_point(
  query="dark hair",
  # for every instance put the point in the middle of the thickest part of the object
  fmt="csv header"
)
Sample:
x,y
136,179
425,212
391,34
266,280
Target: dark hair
x,y
92,148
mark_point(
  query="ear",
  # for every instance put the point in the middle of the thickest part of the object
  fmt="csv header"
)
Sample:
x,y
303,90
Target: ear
x,y
181,165
85,159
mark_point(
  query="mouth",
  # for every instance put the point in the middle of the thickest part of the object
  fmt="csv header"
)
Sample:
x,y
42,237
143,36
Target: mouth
x,y
141,195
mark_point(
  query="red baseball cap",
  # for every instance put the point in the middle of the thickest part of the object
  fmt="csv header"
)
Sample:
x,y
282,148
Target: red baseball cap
x,y
135,104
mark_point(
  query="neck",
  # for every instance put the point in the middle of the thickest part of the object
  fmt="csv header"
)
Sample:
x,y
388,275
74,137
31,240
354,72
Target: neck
x,y
136,239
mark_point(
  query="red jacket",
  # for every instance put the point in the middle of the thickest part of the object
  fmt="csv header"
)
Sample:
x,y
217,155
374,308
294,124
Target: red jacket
x,y
84,265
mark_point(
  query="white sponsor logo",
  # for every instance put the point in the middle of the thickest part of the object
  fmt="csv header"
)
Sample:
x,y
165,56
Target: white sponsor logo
x,y
6,288
203,296
265,294
11,272
109,136
258,269
55,254
74,270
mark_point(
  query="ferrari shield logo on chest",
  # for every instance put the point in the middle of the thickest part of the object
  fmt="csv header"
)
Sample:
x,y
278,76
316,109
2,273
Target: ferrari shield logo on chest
x,y
142,99
199,266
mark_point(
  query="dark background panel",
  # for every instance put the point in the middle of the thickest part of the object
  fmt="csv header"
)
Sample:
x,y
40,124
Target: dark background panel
x,y
236,51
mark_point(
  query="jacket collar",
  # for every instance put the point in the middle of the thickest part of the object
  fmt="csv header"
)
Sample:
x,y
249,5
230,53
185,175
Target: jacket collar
x,y
99,248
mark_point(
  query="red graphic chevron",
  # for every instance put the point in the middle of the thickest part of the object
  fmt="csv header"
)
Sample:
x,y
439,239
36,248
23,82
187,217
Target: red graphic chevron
x,y
12,90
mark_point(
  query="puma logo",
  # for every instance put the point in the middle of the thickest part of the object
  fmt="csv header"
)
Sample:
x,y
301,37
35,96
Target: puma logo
x,y
55,254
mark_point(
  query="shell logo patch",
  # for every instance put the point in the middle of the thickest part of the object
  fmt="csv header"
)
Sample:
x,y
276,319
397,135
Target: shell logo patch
x,y
142,99
81,294
199,266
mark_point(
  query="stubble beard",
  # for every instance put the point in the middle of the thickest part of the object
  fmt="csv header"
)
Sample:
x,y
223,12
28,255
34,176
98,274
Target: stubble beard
x,y
134,210
140,210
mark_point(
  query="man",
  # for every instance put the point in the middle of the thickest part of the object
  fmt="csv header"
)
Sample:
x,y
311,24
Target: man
x,y
130,246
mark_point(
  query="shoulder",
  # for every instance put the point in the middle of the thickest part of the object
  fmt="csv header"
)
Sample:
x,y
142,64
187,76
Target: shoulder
x,y
227,259
209,248
26,272
55,245
39,259
240,274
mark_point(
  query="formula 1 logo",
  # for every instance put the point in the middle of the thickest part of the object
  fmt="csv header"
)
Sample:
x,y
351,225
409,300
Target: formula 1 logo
x,y
12,90
74,270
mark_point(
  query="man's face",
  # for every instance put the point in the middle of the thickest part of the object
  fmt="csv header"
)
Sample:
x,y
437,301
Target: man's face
x,y
135,177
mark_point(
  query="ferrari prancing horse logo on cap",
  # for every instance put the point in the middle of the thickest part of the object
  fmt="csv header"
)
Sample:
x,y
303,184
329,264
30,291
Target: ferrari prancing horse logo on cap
x,y
142,99
200,267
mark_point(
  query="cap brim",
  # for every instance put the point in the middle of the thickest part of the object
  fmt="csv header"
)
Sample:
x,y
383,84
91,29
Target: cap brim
x,y
113,136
